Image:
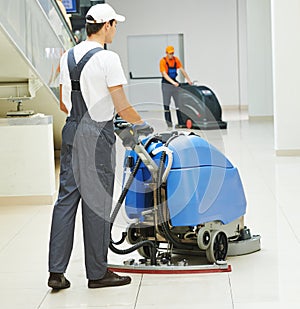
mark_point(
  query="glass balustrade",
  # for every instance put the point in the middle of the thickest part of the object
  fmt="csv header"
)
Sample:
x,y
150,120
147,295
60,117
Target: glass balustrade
x,y
39,30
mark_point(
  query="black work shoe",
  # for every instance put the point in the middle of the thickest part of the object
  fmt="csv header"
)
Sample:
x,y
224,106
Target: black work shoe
x,y
110,279
58,281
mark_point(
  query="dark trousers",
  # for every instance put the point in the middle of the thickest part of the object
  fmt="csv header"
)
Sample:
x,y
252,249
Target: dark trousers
x,y
87,174
169,91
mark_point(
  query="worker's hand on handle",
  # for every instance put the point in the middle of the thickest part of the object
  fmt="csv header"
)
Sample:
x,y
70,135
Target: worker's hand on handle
x,y
130,133
143,129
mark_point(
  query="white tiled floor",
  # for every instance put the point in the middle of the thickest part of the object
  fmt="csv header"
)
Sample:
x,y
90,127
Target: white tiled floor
x,y
265,279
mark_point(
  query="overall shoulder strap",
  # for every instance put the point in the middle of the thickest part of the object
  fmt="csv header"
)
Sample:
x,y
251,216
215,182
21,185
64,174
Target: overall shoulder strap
x,y
76,68
87,57
167,63
175,61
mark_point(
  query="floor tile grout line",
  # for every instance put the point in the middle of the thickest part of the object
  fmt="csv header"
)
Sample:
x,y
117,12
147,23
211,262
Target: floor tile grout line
x,y
19,231
231,292
138,292
282,210
43,299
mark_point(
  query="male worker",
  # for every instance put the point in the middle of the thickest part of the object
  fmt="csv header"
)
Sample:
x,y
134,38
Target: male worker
x,y
91,87
168,68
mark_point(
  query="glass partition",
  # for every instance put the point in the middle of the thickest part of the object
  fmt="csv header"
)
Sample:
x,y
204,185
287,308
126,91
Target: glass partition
x,y
39,31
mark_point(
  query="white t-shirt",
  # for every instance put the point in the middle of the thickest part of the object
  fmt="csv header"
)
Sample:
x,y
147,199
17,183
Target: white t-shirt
x,y
103,70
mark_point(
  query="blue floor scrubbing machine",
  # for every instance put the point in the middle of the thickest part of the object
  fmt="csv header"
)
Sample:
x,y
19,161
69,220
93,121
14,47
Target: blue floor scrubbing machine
x,y
183,196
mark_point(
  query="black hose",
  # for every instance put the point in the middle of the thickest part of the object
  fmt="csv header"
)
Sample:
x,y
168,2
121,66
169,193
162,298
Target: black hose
x,y
127,186
124,192
143,243
165,227
149,243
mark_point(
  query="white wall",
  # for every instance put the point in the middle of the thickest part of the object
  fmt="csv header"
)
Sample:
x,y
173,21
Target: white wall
x,y
210,38
242,51
286,64
259,45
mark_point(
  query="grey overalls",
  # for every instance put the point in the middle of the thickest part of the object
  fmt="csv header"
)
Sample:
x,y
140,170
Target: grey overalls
x,y
87,173
168,91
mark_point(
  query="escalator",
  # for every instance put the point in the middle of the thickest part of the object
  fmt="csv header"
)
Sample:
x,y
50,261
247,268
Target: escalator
x,y
33,36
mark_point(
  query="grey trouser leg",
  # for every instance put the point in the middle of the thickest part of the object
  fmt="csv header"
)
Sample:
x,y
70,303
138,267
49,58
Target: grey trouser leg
x,y
96,160
167,94
64,212
93,163
169,91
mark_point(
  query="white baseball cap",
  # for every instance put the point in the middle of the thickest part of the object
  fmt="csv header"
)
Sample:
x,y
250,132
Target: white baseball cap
x,y
102,13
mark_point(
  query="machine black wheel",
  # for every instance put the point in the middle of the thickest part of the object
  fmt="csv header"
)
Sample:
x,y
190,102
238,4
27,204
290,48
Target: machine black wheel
x,y
204,238
133,234
218,248
144,252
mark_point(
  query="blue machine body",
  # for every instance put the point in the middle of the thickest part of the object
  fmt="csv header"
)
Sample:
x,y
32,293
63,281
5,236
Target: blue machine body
x,y
202,185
